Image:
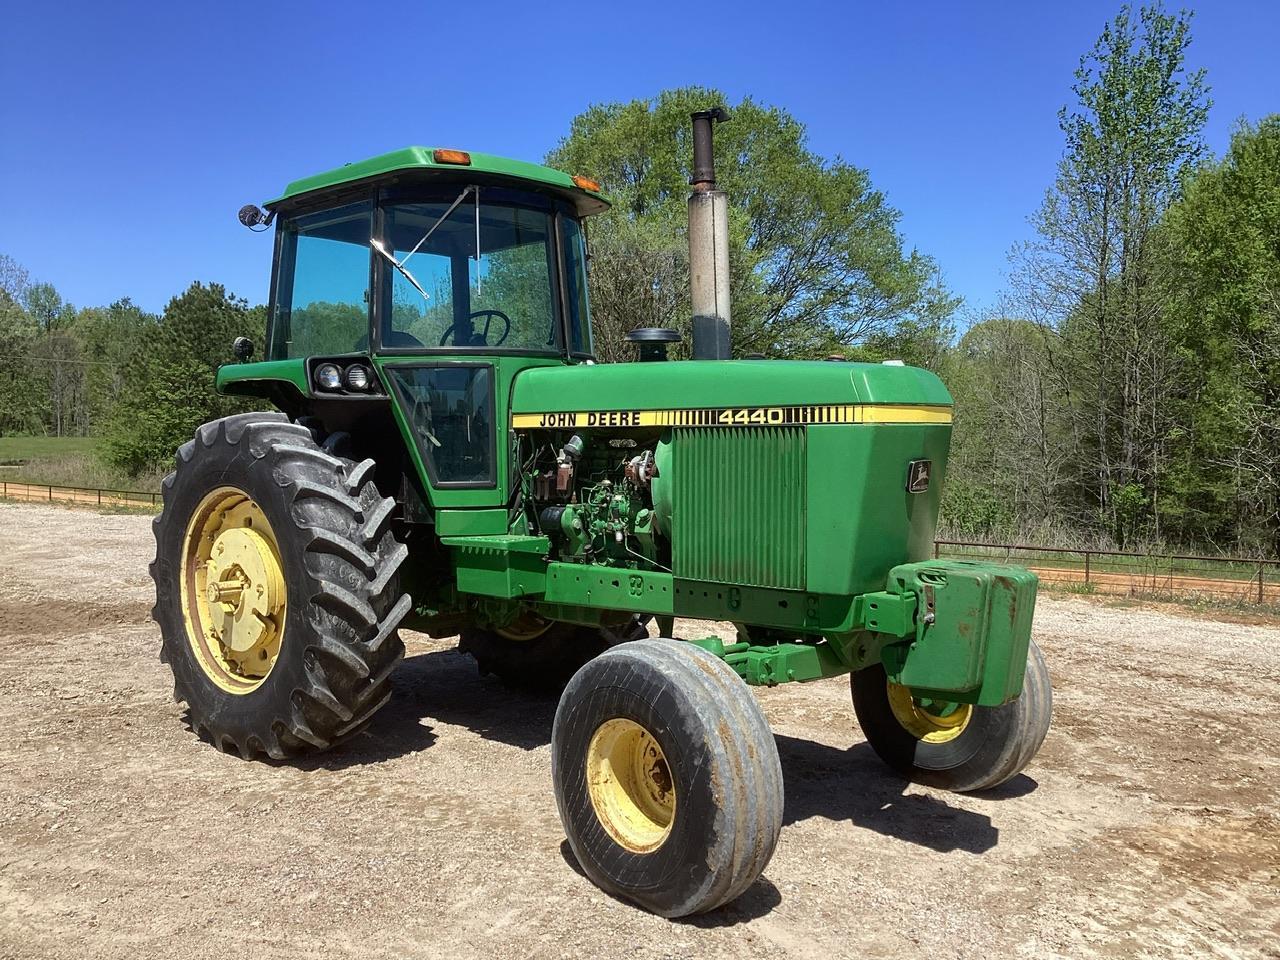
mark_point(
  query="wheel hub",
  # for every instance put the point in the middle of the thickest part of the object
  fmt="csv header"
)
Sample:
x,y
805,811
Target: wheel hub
x,y
234,595
524,626
630,785
933,721
245,590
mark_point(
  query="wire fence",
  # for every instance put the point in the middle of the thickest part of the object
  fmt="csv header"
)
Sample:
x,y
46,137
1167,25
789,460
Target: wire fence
x,y
1112,572
56,493
1121,573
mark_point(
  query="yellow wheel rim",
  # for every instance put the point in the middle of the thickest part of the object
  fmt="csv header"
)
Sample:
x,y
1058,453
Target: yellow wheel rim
x,y
233,590
630,785
527,626
933,721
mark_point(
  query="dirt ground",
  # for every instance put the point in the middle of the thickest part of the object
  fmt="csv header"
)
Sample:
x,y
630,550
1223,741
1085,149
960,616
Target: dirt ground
x,y
1148,827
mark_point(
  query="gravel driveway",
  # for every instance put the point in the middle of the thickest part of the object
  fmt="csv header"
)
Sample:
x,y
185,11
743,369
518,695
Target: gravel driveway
x,y
1148,826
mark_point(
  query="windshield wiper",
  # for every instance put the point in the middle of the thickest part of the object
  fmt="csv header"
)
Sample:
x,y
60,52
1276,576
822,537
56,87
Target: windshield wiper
x,y
400,267
400,264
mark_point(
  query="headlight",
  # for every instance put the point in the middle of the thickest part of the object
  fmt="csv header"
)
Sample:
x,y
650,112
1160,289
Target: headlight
x,y
328,376
358,377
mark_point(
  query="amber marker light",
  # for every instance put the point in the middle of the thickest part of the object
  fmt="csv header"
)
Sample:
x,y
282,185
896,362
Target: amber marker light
x,y
586,183
459,157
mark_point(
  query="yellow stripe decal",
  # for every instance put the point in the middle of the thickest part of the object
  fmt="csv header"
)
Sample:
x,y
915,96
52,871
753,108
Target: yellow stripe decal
x,y
735,416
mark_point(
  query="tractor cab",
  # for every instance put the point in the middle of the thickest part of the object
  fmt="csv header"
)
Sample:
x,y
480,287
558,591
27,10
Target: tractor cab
x,y
431,266
428,278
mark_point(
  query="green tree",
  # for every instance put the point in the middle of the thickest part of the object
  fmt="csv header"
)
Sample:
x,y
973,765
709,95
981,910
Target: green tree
x,y
39,344
817,262
14,279
1221,245
1132,136
22,399
1007,469
46,307
62,363
109,337
168,390
326,327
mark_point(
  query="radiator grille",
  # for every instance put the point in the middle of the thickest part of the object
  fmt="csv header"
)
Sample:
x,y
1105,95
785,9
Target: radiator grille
x,y
739,505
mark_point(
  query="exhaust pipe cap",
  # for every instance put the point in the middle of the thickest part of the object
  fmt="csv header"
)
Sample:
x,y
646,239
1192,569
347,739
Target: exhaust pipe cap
x,y
653,341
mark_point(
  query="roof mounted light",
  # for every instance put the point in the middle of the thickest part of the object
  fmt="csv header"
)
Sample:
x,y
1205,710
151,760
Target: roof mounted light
x,y
586,183
457,157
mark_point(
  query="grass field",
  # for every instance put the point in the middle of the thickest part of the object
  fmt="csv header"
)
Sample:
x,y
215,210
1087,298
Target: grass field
x,y
69,461
16,449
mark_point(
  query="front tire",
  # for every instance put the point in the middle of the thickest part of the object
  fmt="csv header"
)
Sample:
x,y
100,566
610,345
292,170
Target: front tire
x,y
666,777
958,747
277,588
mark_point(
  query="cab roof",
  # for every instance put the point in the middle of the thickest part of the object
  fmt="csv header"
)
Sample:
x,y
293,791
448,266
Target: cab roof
x,y
421,160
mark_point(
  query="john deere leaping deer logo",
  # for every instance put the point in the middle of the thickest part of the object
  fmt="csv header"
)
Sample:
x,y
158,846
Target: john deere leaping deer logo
x,y
918,475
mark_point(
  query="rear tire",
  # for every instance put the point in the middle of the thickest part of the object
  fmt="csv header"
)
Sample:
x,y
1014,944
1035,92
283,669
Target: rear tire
x,y
540,664
338,560
994,744
666,777
544,662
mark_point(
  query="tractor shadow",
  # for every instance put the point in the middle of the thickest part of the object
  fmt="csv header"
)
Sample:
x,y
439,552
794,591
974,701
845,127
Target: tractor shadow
x,y
388,736
853,784
445,686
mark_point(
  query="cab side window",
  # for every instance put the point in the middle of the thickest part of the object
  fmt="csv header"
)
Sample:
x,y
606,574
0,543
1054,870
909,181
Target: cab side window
x,y
450,408
575,272
322,294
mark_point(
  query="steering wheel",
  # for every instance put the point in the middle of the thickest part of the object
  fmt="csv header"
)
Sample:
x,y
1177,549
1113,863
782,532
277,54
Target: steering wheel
x,y
481,339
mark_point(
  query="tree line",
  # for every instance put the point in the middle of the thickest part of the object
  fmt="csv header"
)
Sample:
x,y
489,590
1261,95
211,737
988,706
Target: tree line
x,y
1124,391
1128,386
140,382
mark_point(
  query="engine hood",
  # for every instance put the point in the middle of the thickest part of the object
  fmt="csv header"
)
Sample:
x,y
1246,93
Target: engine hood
x,y
629,388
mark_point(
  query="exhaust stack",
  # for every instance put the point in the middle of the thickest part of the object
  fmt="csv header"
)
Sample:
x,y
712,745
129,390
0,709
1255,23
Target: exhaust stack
x,y
708,244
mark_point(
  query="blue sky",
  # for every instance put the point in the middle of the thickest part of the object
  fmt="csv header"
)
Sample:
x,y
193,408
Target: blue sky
x,y
131,133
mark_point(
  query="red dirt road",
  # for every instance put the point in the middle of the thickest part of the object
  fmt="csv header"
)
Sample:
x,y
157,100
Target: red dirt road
x,y
1162,585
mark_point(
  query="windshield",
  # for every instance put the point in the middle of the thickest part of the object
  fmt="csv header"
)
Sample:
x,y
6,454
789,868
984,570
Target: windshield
x,y
443,294
434,293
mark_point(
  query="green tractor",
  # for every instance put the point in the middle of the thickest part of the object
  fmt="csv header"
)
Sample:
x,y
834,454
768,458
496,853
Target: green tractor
x,y
448,457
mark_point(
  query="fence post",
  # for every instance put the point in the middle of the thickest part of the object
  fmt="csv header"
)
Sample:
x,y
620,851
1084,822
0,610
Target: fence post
x,y
1086,566
935,549
99,498
51,494
1260,598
